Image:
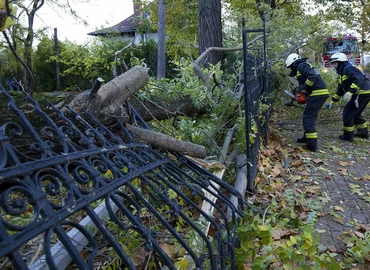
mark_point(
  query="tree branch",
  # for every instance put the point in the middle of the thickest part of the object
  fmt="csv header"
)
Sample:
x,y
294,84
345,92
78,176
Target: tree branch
x,y
201,59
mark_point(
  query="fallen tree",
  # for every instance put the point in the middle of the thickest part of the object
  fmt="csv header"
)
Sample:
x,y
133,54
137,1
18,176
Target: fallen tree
x,y
106,101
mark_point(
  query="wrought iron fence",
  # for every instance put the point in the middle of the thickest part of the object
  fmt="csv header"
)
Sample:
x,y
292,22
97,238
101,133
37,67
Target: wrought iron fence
x,y
75,195
258,100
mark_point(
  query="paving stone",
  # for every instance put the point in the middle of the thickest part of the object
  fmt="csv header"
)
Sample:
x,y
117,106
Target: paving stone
x,y
336,185
360,217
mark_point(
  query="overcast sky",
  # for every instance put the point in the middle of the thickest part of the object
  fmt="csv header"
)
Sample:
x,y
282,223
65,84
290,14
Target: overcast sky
x,y
98,13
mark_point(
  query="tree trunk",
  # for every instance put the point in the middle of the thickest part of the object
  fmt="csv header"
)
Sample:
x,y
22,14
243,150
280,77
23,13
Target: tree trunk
x,y
240,183
165,142
57,66
107,100
161,62
210,28
28,76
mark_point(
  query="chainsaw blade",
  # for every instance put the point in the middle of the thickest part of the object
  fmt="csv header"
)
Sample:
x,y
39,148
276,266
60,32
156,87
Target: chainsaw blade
x,y
289,93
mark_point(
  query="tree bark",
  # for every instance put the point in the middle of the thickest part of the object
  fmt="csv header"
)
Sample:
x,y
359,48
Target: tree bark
x,y
57,64
165,142
210,28
161,62
28,42
109,98
240,183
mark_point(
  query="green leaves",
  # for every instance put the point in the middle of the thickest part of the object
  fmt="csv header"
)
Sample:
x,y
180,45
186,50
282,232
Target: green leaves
x,y
6,20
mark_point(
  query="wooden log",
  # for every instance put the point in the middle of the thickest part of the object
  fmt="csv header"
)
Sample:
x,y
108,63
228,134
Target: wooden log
x,y
165,142
240,183
109,98
96,86
62,258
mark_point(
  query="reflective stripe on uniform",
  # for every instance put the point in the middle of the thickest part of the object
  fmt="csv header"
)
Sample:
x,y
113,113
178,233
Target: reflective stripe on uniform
x,y
309,83
349,129
364,125
355,86
337,96
319,92
342,78
312,135
364,92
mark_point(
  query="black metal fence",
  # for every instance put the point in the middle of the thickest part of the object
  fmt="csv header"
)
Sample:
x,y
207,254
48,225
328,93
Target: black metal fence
x,y
75,195
258,101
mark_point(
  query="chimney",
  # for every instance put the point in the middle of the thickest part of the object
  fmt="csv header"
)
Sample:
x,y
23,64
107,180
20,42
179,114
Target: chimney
x,y
137,7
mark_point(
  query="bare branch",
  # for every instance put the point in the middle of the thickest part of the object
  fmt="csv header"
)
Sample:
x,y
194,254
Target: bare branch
x,y
201,59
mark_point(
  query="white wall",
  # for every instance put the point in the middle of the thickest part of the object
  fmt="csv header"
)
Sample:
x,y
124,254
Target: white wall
x,y
365,59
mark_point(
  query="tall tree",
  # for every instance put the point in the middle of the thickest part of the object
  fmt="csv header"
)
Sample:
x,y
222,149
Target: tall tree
x,y
210,28
27,10
30,12
161,61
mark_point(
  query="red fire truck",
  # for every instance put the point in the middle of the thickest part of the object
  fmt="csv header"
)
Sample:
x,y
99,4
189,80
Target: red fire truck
x,y
347,44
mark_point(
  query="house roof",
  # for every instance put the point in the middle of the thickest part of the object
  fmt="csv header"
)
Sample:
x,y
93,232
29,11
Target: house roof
x,y
128,25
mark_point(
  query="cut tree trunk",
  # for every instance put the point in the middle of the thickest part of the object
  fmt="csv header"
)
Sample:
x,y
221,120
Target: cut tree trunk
x,y
108,99
165,142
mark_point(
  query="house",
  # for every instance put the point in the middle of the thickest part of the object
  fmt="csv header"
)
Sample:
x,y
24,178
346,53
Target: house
x,y
129,29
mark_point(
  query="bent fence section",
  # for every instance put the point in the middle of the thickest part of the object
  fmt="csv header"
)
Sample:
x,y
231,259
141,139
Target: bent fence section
x,y
75,195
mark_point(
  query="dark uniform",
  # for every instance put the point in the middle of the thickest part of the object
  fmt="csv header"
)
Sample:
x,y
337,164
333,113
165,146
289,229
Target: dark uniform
x,y
311,83
352,80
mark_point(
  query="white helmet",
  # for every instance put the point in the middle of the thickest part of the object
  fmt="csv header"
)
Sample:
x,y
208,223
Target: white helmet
x,y
338,57
291,58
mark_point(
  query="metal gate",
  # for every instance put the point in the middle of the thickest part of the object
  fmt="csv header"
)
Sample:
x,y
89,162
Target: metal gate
x,y
75,195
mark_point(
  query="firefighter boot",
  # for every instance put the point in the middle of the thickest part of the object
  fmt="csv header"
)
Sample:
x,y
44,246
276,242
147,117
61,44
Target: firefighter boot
x,y
362,133
311,145
303,139
347,136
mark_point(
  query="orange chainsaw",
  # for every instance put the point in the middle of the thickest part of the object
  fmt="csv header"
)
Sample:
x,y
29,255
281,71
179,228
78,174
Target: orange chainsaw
x,y
299,97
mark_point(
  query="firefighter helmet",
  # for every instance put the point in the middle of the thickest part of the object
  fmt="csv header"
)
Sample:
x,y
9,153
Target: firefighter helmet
x,y
338,57
291,58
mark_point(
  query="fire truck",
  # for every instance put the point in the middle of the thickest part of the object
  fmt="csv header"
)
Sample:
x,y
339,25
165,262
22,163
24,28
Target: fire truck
x,y
347,44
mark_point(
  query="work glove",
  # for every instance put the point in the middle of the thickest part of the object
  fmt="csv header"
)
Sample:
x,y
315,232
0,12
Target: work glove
x,y
299,90
329,105
295,90
289,102
347,96
334,99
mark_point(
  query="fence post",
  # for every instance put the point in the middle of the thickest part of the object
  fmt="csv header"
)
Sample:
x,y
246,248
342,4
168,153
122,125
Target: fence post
x,y
246,93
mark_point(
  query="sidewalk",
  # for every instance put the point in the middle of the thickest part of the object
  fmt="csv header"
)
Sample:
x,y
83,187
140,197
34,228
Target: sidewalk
x,y
340,172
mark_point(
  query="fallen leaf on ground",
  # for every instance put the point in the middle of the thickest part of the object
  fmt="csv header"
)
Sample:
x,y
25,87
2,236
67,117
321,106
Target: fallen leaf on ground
x,y
365,177
340,220
342,171
296,163
280,233
343,163
358,234
317,161
294,178
362,227
338,208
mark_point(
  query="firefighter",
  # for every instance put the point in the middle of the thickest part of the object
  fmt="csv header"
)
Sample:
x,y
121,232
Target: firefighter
x,y
353,88
313,86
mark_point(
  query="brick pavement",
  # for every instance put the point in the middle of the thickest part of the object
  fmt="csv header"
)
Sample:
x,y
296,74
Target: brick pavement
x,y
341,170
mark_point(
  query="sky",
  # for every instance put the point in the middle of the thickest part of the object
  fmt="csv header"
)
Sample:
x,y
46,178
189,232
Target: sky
x,y
98,13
